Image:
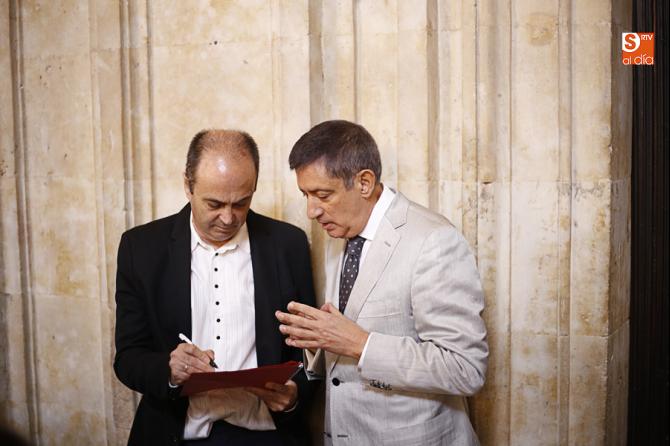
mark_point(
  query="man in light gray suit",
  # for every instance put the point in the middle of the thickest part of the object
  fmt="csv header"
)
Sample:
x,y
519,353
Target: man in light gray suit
x,y
400,339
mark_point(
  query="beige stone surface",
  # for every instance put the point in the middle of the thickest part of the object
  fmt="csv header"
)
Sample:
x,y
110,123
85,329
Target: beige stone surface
x,y
491,408
67,19
534,257
592,88
109,119
588,389
533,389
590,286
64,259
105,16
208,22
534,63
69,340
511,118
493,91
58,116
13,397
6,101
10,281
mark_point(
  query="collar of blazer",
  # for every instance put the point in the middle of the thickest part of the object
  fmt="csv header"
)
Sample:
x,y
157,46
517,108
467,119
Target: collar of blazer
x,y
380,252
178,273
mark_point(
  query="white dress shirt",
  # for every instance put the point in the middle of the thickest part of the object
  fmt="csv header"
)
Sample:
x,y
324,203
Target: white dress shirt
x,y
368,233
223,320
378,211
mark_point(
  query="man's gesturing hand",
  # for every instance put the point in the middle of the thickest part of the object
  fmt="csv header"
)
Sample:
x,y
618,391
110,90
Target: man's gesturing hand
x,y
327,328
187,359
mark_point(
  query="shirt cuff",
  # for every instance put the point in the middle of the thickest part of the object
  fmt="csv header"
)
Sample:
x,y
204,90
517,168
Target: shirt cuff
x,y
360,361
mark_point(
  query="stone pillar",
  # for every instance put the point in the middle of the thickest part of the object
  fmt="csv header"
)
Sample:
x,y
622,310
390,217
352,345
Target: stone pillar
x,y
510,117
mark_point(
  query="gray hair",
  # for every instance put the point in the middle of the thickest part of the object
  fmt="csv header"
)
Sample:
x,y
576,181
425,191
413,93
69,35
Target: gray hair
x,y
345,147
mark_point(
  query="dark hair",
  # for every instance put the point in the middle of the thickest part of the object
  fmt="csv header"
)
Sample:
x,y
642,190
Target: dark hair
x,y
218,139
346,149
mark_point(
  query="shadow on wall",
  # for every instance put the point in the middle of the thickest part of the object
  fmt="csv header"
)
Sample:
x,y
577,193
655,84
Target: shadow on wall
x,y
9,438
4,358
4,343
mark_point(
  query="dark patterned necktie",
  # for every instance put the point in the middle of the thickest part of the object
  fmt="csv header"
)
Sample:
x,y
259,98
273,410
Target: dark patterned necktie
x,y
350,269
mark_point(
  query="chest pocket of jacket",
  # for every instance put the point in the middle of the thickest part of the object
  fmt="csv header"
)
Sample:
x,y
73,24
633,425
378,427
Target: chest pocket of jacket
x,y
378,308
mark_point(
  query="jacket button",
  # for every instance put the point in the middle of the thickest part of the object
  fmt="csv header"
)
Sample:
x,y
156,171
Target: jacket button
x,y
336,382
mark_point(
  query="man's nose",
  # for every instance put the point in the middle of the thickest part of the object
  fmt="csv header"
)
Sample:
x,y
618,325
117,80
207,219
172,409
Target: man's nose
x,y
226,215
313,208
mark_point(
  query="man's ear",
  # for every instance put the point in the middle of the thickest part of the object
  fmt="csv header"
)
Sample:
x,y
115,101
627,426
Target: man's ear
x,y
366,182
187,188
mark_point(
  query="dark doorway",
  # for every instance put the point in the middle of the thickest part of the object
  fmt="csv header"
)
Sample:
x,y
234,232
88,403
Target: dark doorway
x,y
648,399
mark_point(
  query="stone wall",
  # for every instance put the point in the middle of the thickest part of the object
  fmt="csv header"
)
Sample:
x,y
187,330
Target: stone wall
x,y
510,117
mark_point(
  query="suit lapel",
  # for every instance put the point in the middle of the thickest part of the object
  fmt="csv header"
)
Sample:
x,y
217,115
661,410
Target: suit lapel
x,y
178,274
266,291
381,249
378,255
333,259
334,250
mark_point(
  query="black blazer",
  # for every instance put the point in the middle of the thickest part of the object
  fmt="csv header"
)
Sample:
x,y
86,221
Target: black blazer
x,y
153,305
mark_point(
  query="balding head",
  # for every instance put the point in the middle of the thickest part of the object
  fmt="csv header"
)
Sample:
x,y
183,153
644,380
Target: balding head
x,y
219,182
232,144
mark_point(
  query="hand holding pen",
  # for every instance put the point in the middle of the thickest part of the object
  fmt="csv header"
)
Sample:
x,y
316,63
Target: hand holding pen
x,y
188,341
187,359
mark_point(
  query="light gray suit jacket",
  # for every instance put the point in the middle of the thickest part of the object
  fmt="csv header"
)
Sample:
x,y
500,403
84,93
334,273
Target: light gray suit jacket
x,y
418,293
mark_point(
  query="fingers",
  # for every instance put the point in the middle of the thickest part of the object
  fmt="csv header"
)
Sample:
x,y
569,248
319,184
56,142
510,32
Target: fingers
x,y
180,371
197,357
306,310
277,397
330,308
294,320
187,359
299,343
295,332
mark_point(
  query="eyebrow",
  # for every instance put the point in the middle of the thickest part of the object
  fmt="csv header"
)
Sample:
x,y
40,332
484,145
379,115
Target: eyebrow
x,y
315,191
215,201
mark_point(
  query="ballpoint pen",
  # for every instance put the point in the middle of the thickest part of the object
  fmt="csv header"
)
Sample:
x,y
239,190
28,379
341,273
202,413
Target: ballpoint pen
x,y
188,341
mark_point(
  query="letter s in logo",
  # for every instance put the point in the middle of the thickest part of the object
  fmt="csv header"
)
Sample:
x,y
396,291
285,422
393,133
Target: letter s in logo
x,y
630,42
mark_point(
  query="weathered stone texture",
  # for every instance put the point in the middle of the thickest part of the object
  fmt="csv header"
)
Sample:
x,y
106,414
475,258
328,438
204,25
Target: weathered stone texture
x,y
510,117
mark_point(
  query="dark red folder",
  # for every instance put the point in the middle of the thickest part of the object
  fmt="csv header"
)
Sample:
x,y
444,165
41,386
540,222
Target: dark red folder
x,y
258,377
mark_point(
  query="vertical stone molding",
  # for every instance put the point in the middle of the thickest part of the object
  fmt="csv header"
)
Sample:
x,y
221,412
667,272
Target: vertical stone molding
x,y
20,393
510,117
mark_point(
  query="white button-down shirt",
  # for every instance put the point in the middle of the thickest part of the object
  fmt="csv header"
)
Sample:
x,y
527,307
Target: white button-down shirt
x,y
223,320
376,216
368,233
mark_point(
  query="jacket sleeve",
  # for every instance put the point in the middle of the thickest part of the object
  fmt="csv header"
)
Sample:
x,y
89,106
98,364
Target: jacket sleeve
x,y
137,363
450,353
301,270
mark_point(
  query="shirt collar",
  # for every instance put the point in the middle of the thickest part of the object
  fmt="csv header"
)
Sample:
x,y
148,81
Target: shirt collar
x,y
377,214
240,239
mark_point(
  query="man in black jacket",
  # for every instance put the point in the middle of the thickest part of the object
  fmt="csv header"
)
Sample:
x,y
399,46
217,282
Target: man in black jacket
x,y
215,272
